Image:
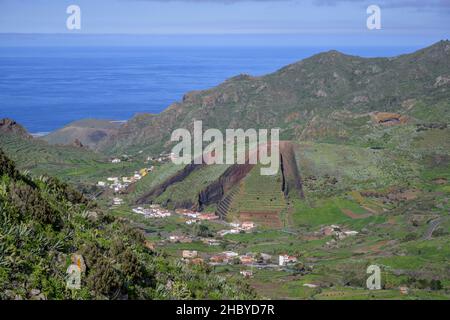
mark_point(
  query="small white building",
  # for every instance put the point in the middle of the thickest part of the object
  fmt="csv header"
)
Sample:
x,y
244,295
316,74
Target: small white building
x,y
247,225
116,160
230,254
285,259
101,184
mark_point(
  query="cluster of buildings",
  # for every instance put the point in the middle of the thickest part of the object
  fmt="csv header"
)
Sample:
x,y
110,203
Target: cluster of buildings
x,y
120,184
191,256
237,228
231,257
228,257
194,217
154,211
190,239
286,260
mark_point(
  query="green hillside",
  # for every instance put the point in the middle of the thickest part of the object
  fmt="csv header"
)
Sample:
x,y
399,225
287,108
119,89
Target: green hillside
x,y
45,225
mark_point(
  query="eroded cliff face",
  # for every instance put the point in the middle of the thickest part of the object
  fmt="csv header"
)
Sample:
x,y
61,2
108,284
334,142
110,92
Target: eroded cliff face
x,y
9,126
291,181
216,190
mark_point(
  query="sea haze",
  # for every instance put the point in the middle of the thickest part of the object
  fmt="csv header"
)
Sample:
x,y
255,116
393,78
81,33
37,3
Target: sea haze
x,y
45,88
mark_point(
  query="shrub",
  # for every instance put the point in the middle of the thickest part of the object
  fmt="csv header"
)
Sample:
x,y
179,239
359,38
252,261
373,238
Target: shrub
x,y
29,204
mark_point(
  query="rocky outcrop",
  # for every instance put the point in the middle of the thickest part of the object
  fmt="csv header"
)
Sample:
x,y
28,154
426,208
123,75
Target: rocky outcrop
x,y
77,144
10,126
214,192
291,177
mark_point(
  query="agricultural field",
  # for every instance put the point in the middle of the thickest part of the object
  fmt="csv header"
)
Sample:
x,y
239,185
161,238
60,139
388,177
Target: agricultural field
x,y
259,199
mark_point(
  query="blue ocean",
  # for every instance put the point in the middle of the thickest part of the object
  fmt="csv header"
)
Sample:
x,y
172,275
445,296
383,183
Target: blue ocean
x,y
45,88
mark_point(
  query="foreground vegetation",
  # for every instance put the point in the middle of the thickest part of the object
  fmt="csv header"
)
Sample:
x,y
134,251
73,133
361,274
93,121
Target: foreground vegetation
x,y
45,224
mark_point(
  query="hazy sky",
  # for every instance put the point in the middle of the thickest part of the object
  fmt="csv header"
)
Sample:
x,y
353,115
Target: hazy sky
x,y
413,21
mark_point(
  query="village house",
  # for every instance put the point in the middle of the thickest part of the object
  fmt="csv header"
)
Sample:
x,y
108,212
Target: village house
x,y
137,176
230,254
116,160
247,259
101,184
246,226
284,260
152,212
189,254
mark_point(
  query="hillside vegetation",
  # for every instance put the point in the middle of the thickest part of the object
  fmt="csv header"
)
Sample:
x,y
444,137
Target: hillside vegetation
x,y
45,225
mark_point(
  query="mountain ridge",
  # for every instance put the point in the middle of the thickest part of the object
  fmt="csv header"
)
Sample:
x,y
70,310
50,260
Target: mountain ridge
x,y
293,96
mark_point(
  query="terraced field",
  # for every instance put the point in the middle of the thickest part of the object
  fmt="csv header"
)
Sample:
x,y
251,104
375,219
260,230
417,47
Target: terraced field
x,y
78,166
259,199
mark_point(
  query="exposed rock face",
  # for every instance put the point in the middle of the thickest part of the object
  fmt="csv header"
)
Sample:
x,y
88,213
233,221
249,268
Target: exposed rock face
x,y
289,169
388,118
215,191
77,144
441,81
10,126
